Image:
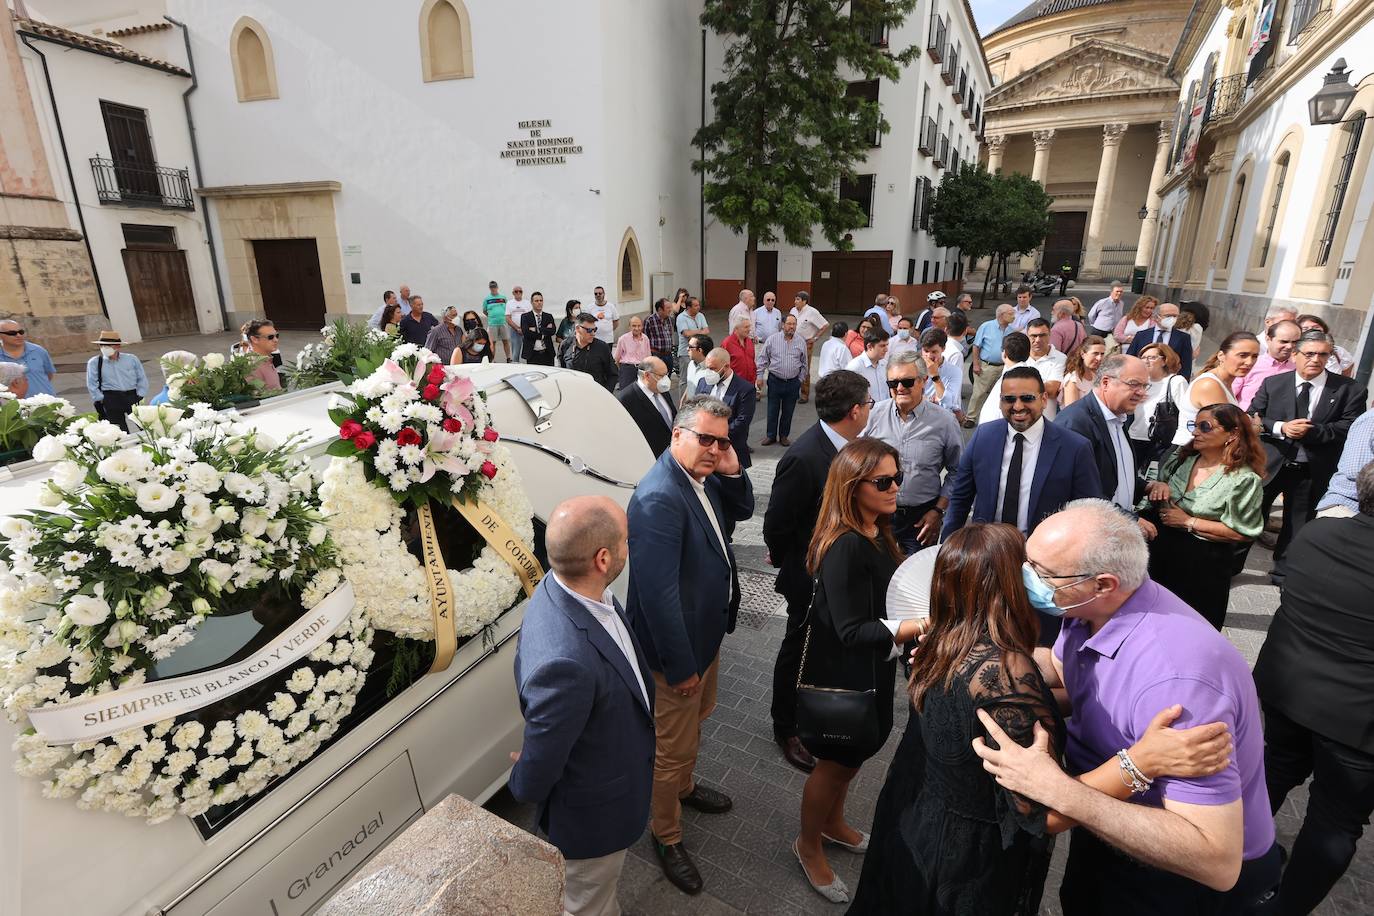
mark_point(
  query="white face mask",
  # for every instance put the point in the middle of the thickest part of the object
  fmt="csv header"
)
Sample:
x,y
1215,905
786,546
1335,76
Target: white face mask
x,y
664,385
576,311
107,352
478,347
1168,323
903,334
712,377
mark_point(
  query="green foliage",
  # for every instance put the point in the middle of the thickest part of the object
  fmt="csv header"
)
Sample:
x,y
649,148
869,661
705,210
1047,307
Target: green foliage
x,y
784,132
984,214
344,348
24,422
215,381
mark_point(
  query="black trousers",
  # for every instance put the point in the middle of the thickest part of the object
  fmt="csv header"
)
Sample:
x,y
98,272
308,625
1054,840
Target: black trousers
x,y
906,523
784,710
1338,805
1100,879
115,406
1197,571
1294,481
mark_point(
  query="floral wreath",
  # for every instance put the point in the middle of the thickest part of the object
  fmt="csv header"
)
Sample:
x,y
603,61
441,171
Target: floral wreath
x,y
153,536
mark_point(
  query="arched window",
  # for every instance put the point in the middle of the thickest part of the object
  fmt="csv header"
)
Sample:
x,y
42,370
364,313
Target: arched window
x,y
1271,212
255,71
1349,144
1236,207
445,41
631,268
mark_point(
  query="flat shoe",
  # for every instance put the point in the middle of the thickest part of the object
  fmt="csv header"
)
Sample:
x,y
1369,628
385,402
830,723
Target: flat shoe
x,y
861,846
836,891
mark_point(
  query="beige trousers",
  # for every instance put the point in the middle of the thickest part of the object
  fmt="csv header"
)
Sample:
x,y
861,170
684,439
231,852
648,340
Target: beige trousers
x,y
677,721
590,885
983,384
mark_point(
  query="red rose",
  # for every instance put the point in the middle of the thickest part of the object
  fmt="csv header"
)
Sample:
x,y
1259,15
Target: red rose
x,y
490,434
488,470
431,392
364,441
436,375
453,426
349,429
408,436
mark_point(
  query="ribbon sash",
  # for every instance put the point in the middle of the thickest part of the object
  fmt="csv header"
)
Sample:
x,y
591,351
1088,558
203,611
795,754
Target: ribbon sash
x,y
440,592
93,718
500,536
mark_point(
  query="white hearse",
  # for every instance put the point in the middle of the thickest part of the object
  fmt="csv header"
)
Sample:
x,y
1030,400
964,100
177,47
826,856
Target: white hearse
x,y
283,852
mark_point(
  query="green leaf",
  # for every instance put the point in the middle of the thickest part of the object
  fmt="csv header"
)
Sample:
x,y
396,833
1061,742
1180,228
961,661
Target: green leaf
x,y
341,448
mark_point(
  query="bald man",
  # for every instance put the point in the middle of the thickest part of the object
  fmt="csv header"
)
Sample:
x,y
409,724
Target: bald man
x,y
587,697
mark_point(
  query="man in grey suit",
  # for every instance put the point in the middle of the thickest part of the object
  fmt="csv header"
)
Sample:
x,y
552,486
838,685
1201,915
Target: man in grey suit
x,y
587,696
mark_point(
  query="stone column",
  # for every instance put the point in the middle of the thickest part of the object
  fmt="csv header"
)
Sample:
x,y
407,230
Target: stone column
x,y
996,146
1149,229
1040,170
1102,199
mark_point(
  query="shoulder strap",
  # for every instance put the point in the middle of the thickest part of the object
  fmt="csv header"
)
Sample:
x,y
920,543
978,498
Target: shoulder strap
x,y
806,642
100,372
1169,389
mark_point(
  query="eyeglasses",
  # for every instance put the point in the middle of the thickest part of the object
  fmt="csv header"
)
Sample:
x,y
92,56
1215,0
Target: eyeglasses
x,y
1023,398
721,442
18,333
868,403
907,383
267,336
1315,354
1133,384
884,483
693,347
1202,426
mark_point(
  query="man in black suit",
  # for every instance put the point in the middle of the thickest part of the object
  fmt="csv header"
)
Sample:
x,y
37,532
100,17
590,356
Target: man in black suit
x,y
591,355
1178,341
1314,681
650,405
537,329
842,403
721,383
1304,418
1102,418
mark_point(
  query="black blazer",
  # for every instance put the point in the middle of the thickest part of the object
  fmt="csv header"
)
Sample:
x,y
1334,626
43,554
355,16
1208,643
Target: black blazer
x,y
646,416
1342,401
538,327
741,398
1084,417
793,505
1317,663
594,359
1179,341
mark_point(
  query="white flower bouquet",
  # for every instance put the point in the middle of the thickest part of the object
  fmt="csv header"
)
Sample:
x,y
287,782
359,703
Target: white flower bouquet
x,y
24,421
215,380
344,351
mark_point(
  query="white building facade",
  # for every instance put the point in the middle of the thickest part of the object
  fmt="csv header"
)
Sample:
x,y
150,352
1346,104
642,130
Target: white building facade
x,y
1259,205
935,115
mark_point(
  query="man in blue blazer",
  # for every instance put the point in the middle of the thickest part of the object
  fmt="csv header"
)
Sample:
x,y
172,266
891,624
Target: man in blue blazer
x,y
1178,341
684,594
587,696
1103,417
721,382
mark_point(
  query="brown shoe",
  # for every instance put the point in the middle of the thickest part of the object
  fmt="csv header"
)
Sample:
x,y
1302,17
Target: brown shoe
x,y
767,441
784,441
802,400
795,753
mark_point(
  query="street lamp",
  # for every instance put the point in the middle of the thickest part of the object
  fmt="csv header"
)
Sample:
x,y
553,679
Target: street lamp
x,y
1333,99
1143,212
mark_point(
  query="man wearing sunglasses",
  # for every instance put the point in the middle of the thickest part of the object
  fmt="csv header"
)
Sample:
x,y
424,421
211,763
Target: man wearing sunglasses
x,y
591,354
1304,417
683,598
928,443
15,347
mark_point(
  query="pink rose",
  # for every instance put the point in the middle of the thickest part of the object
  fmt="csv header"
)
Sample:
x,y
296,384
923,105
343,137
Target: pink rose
x,y
490,434
364,441
349,429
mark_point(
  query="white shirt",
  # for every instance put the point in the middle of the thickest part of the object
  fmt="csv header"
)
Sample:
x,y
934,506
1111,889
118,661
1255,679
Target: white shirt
x,y
657,400
699,488
375,322
1125,458
834,355
694,371
1174,386
809,321
1051,369
876,373
605,613
992,407
954,354
1030,452
1313,399
835,438
896,345
605,316
766,322
515,308
718,392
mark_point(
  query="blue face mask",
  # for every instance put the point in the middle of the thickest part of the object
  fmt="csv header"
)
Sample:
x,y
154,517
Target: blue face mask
x,y
1041,594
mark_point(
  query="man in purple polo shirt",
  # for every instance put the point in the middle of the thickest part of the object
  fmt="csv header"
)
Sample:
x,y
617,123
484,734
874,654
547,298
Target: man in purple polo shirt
x,y
1129,648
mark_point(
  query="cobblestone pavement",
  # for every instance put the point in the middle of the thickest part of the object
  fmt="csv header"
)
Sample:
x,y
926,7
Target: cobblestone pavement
x,y
745,856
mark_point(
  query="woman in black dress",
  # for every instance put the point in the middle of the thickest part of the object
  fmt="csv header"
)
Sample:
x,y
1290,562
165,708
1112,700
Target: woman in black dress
x,y
852,556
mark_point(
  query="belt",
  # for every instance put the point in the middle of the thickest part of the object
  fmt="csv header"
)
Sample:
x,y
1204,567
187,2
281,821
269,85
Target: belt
x,y
1296,465
991,363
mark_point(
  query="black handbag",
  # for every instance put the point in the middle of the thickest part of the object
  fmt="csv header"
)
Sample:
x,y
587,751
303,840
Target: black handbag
x,y
1164,420
834,715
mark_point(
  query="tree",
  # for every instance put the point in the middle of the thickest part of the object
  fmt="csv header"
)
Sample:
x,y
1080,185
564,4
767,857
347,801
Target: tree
x,y
983,214
784,132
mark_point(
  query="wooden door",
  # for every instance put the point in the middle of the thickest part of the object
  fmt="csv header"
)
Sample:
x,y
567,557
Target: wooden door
x,y
1064,241
767,269
289,277
160,284
131,150
847,282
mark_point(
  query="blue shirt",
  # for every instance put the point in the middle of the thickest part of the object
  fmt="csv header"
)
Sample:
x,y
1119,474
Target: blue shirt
x,y
953,378
123,374
37,366
1358,451
884,319
989,341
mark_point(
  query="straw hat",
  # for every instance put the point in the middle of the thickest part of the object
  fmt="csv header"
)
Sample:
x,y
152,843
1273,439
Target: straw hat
x,y
109,339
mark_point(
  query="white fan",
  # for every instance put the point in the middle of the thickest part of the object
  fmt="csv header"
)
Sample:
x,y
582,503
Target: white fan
x,y
908,594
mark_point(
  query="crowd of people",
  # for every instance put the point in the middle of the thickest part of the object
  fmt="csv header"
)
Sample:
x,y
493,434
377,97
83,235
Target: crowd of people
x,y
1064,663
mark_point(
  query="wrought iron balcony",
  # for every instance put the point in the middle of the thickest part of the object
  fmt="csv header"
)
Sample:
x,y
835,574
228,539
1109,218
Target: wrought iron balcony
x,y
935,45
1227,95
942,152
928,141
141,185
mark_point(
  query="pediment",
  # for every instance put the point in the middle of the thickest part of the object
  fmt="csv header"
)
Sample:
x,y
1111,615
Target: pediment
x,y
1093,70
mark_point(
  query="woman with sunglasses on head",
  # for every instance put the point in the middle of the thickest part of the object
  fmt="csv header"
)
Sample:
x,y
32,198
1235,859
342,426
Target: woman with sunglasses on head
x,y
1205,499
1238,354
262,339
849,645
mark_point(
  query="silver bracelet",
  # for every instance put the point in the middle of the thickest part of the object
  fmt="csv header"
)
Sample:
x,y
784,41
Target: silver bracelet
x,y
1131,774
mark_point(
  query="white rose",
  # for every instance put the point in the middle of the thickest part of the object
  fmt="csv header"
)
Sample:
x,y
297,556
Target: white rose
x,y
265,442
103,433
175,563
49,449
212,360
275,529
227,514
254,523
11,527
237,483
87,610
68,474
315,537
155,497
202,477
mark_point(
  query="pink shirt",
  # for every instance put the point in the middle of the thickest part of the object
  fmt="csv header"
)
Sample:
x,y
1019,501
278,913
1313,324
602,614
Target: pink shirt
x,y
631,349
266,373
1066,334
1247,386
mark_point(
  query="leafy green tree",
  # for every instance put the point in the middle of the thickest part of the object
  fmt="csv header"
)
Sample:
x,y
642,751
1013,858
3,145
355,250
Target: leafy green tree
x,y
987,215
784,132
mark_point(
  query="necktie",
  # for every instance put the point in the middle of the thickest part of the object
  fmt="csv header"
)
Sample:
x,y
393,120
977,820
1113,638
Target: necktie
x,y
1160,336
1011,497
663,409
1304,400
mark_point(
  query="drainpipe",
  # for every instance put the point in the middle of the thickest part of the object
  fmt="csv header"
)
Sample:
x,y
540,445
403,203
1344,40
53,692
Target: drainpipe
x,y
200,180
71,177
701,183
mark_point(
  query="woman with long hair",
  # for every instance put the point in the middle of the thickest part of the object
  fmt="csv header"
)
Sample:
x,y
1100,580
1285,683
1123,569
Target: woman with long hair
x,y
1205,500
475,347
1080,371
1212,385
391,319
946,838
1141,317
1163,364
855,338
848,644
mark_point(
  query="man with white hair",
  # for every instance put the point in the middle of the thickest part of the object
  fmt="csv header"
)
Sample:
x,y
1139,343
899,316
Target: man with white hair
x,y
1129,648
742,309
171,362
14,380
1276,313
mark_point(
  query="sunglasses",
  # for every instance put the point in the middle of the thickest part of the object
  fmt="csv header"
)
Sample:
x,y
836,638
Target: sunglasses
x,y
884,483
907,383
267,336
1202,426
721,442
18,333
1023,398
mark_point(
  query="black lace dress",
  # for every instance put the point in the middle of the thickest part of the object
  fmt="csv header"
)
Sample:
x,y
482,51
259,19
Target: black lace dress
x,y
946,838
